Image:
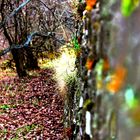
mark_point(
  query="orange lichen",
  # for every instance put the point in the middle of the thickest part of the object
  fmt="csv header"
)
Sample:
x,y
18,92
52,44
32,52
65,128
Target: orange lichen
x,y
90,4
117,80
89,63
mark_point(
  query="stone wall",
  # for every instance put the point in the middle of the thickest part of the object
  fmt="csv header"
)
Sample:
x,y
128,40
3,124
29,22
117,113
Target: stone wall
x,y
104,104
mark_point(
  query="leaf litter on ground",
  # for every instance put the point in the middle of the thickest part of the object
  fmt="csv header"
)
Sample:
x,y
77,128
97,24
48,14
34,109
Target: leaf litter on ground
x,y
31,108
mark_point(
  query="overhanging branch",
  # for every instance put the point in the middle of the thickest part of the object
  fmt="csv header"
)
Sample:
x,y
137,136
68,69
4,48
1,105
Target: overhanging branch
x,y
26,43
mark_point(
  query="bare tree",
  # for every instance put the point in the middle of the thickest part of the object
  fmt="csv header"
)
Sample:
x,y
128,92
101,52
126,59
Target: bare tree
x,y
34,26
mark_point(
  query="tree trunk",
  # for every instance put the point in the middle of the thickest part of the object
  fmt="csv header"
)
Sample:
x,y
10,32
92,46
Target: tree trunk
x,y
32,62
18,57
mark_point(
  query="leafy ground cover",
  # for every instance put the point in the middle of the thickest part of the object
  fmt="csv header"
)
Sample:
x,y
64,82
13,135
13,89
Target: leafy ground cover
x,y
30,108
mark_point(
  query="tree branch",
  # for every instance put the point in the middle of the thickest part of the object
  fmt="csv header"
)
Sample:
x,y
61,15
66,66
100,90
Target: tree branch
x,y
26,43
14,12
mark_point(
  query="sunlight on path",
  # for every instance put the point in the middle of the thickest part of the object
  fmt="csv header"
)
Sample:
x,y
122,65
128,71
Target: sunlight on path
x,y
64,67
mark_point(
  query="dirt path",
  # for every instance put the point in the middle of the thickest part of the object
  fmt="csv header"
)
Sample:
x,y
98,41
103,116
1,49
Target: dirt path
x,y
31,108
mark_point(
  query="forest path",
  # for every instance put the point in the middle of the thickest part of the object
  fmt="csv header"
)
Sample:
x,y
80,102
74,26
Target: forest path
x,y
31,108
